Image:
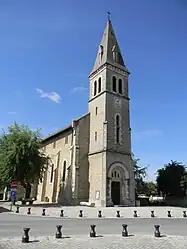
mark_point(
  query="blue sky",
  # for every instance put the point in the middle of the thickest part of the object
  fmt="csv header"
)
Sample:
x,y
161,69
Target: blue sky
x,y
47,49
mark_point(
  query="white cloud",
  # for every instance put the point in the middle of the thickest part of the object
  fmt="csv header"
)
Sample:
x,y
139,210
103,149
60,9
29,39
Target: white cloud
x,y
55,97
79,89
11,113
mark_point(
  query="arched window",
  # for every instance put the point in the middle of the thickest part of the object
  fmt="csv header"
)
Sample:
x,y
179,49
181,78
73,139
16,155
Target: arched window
x,y
114,53
117,124
116,174
95,88
96,111
120,86
64,172
95,135
114,83
99,85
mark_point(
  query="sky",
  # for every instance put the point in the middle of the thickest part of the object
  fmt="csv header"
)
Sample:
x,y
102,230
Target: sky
x,y
48,48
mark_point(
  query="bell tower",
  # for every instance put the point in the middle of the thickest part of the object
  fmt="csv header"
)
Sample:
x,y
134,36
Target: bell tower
x,y
111,174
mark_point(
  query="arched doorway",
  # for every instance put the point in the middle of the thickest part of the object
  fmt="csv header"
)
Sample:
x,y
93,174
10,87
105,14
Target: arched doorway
x,y
118,178
116,187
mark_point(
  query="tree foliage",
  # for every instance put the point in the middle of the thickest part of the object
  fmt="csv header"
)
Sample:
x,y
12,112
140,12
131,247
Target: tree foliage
x,y
150,188
21,157
139,175
172,179
142,186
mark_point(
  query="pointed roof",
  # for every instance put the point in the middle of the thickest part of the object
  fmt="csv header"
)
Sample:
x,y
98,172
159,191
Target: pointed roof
x,y
109,50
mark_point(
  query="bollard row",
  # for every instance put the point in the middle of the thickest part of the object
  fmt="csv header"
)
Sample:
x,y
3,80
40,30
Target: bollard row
x,y
135,213
59,234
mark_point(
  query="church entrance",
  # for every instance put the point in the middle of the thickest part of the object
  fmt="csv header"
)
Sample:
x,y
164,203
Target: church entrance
x,y
115,192
117,185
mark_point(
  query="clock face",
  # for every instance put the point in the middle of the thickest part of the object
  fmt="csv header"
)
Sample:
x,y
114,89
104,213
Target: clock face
x,y
117,102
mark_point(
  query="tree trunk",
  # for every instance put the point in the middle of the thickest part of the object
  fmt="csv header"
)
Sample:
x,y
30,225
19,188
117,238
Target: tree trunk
x,y
28,191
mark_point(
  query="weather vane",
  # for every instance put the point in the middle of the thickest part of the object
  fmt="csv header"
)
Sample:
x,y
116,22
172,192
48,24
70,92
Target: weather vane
x,y
109,15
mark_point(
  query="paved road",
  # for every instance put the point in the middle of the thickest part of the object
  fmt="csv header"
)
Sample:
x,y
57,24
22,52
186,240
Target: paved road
x,y
11,226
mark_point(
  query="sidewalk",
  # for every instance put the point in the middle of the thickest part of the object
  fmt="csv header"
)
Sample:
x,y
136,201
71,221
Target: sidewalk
x,y
107,242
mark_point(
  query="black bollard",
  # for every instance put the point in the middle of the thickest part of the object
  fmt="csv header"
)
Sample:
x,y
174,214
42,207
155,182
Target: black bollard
x,y
157,231
58,234
135,214
29,211
169,214
92,231
124,231
61,213
43,212
152,214
17,210
118,214
99,214
184,214
25,238
81,213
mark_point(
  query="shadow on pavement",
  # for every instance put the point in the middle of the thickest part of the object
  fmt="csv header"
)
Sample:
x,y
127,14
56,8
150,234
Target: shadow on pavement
x,y
162,236
65,237
3,210
34,241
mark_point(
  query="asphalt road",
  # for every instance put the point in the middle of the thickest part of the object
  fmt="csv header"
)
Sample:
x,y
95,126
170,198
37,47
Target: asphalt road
x,y
11,225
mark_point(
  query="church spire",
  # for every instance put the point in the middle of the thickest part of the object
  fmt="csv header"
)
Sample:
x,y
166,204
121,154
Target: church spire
x,y
109,50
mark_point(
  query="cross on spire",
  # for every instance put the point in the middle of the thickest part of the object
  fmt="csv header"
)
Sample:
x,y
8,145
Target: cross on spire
x,y
109,15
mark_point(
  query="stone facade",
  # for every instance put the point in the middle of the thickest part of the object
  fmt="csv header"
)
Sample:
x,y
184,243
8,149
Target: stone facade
x,y
91,159
65,181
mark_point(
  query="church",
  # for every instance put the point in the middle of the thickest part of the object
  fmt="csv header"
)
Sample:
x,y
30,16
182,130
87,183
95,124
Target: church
x,y
91,158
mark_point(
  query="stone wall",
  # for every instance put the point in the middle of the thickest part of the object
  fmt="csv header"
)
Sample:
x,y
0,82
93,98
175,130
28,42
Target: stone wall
x,y
83,170
58,147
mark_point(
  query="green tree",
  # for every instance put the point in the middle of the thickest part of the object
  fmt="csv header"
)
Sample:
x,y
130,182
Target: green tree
x,y
172,179
21,157
183,183
139,175
150,188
